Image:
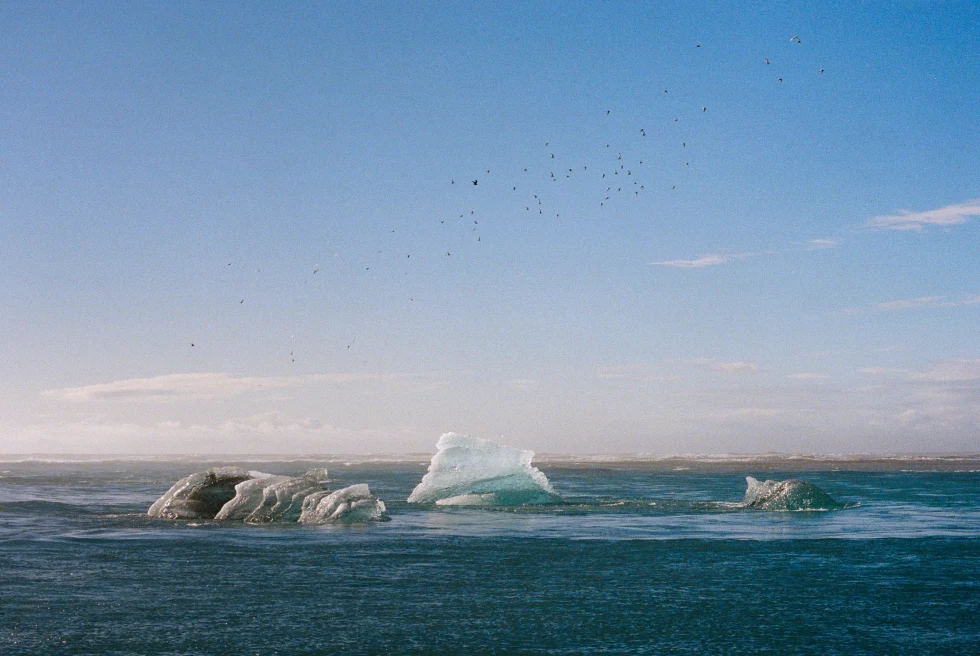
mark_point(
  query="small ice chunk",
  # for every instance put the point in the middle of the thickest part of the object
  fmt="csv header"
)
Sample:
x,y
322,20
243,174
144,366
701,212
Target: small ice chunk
x,y
787,495
346,505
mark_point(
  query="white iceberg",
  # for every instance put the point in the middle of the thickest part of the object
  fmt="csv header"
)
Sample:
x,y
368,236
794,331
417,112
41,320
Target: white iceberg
x,y
469,471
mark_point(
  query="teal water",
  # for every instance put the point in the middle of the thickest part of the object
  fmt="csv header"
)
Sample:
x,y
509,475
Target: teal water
x,y
641,556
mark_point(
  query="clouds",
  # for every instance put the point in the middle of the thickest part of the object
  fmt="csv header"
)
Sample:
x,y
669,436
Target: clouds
x,y
951,371
206,386
704,261
944,217
272,432
920,303
808,376
724,256
738,367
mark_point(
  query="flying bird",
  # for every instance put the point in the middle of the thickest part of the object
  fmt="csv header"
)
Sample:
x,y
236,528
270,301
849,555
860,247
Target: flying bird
x,y
474,182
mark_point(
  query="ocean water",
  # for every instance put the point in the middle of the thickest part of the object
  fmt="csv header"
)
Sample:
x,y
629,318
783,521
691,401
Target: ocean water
x,y
641,556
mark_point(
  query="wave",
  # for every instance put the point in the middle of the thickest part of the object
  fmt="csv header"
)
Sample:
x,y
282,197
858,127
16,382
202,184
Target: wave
x,y
468,471
235,494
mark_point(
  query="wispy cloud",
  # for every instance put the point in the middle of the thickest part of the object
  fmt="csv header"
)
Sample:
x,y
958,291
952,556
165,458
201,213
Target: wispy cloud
x,y
704,261
202,386
724,256
951,371
944,216
738,367
880,371
724,366
808,376
920,303
638,372
267,432
820,244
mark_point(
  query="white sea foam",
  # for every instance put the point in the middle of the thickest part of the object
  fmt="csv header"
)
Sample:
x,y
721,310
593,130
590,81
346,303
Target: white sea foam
x,y
471,471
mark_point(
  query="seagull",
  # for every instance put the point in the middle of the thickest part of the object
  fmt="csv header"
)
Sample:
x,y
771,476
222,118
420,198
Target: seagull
x,y
767,61
821,71
474,182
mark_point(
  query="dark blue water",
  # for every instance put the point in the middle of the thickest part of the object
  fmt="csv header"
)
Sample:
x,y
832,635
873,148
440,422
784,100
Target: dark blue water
x,y
643,557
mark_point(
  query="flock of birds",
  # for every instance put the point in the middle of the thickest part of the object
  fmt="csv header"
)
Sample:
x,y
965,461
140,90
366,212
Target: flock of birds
x,y
620,172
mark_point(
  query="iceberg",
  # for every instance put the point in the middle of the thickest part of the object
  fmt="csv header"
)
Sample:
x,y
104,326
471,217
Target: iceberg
x,y
468,471
349,504
787,495
200,495
234,494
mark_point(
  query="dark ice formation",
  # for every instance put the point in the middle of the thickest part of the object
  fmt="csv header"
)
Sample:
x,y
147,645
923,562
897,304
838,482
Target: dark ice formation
x,y
787,495
232,493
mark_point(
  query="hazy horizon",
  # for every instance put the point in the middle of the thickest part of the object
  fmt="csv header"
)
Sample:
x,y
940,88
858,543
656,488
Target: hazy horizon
x,y
347,229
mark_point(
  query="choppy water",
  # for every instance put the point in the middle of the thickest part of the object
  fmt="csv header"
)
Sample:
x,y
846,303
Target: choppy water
x,y
642,556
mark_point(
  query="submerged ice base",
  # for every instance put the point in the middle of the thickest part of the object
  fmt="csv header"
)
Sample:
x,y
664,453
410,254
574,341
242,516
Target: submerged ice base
x,y
468,471
232,493
787,495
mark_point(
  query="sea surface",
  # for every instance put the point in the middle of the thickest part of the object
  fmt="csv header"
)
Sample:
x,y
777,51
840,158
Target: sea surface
x,y
642,556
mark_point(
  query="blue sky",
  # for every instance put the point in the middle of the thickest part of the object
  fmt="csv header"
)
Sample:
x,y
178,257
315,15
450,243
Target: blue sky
x,y
733,255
